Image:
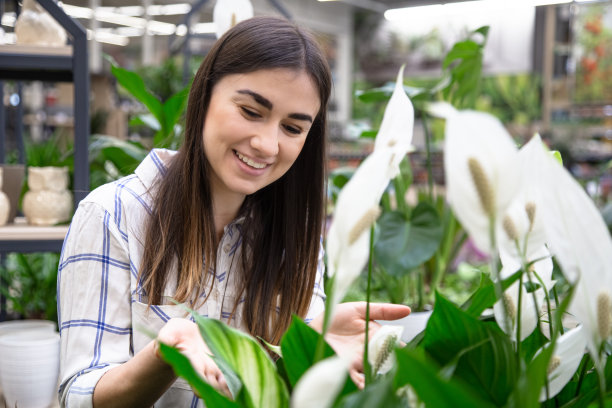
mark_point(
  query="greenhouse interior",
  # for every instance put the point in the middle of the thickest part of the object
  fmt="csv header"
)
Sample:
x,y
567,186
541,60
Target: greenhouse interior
x,y
306,203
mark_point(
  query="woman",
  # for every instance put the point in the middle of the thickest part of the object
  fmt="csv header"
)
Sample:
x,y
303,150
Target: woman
x,y
229,225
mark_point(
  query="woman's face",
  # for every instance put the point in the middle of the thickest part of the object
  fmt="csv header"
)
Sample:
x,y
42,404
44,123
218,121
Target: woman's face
x,y
256,126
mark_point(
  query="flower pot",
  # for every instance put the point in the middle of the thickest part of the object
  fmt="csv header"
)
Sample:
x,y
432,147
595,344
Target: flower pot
x,y
48,200
413,324
29,367
12,182
5,206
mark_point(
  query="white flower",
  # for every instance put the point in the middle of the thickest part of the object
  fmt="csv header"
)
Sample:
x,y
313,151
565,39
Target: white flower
x,y
380,348
481,170
565,360
228,13
397,126
579,239
320,385
357,206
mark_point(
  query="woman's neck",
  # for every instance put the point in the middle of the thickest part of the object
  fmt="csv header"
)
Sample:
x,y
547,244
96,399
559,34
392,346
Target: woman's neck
x,y
225,210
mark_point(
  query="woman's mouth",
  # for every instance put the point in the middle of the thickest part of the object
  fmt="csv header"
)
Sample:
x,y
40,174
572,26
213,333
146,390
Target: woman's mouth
x,y
249,161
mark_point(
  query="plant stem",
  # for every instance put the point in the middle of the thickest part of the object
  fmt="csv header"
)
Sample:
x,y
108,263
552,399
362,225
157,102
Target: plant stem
x,y
366,363
428,157
326,316
583,371
561,329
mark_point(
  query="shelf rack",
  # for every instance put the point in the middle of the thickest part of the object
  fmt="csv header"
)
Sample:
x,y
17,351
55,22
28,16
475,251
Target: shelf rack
x,y
61,64
55,64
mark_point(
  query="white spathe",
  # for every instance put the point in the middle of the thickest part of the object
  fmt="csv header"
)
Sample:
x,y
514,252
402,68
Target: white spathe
x,y
578,238
35,26
397,127
568,352
228,13
357,206
320,385
479,137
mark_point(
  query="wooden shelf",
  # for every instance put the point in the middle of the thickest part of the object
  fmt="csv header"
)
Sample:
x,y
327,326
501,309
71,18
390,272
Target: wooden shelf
x,y
22,231
22,237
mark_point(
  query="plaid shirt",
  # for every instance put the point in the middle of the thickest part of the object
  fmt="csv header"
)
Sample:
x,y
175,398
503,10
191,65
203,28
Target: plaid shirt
x,y
101,305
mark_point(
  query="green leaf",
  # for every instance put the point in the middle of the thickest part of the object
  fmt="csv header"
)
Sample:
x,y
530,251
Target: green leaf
x,y
248,360
402,244
484,297
298,345
526,393
172,109
384,92
133,83
491,368
183,368
434,391
380,393
147,120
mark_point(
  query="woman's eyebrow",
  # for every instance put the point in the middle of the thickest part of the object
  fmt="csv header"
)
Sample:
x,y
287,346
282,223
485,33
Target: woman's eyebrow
x,y
266,103
260,99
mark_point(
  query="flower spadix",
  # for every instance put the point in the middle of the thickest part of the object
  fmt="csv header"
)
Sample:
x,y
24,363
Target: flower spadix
x,y
568,351
579,239
380,348
397,126
320,385
481,165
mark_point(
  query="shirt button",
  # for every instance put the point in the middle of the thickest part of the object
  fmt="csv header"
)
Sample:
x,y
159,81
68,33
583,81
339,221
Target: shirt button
x,y
227,247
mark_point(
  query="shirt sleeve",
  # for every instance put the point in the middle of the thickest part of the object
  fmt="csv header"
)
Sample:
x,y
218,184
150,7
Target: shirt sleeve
x,y
94,309
317,303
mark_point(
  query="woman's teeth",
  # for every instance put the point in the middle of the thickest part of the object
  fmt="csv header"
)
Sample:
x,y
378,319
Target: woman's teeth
x,y
251,162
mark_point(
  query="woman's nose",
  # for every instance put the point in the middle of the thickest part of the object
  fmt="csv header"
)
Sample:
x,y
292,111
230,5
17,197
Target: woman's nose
x,y
265,140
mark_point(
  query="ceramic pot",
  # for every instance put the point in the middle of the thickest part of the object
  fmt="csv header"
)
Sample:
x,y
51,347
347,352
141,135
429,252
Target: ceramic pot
x,y
413,324
12,182
29,368
48,200
5,206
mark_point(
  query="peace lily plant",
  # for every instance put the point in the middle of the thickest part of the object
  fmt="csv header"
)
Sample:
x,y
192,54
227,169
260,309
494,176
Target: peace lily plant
x,y
511,344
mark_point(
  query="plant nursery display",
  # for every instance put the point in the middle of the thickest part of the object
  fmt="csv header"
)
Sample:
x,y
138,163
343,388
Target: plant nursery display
x,y
510,344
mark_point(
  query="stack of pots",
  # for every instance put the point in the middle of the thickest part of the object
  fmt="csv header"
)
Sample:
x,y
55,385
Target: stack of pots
x,y
29,363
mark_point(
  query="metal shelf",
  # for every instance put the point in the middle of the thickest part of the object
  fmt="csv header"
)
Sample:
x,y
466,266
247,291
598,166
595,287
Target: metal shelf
x,y
67,63
58,64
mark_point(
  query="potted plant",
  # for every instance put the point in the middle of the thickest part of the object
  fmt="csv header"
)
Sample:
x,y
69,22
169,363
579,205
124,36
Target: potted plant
x,y
47,200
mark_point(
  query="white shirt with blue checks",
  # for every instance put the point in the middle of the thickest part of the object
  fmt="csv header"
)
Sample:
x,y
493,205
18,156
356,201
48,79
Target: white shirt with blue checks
x,y
101,307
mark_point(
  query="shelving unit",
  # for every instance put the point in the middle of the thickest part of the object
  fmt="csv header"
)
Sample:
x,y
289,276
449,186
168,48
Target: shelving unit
x,y
59,64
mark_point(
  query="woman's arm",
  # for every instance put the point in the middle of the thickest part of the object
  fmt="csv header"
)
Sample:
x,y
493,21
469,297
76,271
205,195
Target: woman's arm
x,y
139,382
142,380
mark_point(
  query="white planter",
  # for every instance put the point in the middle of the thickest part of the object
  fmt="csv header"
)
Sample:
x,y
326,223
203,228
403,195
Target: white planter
x,y
29,368
5,206
48,200
413,324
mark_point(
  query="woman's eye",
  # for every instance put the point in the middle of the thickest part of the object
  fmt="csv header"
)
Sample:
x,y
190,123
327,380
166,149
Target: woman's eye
x,y
292,129
250,113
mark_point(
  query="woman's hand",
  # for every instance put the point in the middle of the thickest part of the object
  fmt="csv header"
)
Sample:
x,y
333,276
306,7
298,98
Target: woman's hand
x,y
346,333
185,336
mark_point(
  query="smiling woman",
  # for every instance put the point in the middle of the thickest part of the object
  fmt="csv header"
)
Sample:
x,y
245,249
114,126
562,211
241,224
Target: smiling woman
x,y
230,225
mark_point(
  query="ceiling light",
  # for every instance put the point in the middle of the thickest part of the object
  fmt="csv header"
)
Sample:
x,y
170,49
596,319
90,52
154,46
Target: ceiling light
x,y
463,7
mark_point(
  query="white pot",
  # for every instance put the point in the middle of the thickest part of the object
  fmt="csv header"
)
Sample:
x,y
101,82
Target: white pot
x,y
48,201
413,324
5,206
29,368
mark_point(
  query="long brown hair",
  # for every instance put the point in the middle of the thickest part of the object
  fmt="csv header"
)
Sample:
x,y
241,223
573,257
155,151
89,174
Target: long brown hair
x,y
283,221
